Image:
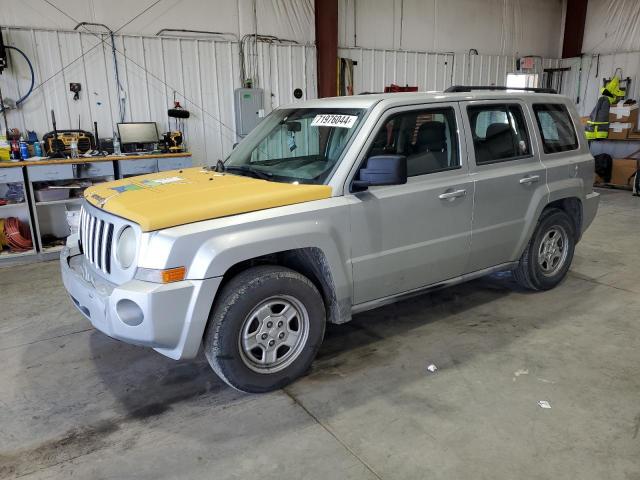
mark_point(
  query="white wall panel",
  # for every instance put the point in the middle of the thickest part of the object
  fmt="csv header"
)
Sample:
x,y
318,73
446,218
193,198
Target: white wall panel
x,y
612,26
504,27
598,67
202,73
292,19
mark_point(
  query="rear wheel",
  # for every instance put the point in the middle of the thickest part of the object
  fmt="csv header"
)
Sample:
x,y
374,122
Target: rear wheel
x,y
546,260
265,329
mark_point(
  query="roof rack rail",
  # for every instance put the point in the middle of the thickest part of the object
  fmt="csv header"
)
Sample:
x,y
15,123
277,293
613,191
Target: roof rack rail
x,y
469,88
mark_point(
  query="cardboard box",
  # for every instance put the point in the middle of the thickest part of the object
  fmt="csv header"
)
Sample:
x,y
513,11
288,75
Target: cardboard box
x,y
619,131
633,135
621,113
622,170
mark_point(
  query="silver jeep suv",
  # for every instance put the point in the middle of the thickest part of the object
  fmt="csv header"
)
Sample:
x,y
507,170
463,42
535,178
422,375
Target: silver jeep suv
x,y
328,208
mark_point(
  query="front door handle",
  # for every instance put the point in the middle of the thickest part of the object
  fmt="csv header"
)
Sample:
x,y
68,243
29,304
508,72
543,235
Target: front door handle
x,y
530,179
452,195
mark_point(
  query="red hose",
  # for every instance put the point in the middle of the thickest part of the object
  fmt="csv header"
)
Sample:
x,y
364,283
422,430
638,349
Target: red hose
x,y
17,235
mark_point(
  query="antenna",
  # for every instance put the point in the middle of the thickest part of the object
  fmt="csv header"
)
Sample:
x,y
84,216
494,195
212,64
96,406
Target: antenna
x,y
97,139
55,145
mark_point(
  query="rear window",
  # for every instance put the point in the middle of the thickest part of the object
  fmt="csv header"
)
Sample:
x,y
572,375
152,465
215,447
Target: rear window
x,y
556,128
499,133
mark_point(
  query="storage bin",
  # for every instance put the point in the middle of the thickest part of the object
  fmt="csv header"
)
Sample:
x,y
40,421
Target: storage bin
x,y
52,194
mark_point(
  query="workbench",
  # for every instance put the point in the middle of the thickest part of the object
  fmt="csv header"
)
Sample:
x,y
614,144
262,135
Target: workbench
x,y
47,219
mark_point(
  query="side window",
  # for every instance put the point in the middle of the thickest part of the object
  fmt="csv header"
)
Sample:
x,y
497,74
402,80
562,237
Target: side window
x,y
499,133
556,128
426,137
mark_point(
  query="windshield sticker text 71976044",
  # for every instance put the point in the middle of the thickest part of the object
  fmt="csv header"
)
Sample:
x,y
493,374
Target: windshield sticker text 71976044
x,y
333,120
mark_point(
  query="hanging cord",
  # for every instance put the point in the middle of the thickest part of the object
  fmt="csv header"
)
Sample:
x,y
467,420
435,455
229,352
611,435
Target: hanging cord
x,y
102,41
33,77
4,115
121,99
248,50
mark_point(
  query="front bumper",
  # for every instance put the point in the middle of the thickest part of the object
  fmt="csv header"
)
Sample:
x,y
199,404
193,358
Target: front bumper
x,y
170,318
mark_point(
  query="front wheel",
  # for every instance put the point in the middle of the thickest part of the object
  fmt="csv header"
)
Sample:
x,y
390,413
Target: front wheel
x,y
547,258
265,330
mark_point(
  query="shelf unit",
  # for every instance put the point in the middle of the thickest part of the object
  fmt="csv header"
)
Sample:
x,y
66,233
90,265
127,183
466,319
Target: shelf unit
x,y
132,166
13,205
6,255
618,148
20,210
61,202
50,217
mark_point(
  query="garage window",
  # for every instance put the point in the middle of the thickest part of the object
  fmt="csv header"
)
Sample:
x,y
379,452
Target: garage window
x,y
556,127
499,133
426,137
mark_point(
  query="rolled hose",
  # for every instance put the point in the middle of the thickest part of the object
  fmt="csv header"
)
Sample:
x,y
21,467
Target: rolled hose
x,y
17,235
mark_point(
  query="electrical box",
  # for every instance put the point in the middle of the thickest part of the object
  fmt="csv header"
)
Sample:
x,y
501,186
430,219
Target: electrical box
x,y
249,107
527,63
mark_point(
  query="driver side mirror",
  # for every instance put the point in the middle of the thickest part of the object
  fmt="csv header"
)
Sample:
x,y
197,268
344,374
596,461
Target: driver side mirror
x,y
382,170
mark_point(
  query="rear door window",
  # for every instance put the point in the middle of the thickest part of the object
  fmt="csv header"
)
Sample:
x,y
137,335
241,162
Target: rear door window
x,y
556,127
499,133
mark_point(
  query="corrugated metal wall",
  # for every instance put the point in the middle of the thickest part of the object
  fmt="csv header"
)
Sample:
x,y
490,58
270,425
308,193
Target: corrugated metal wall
x,y
483,69
429,71
203,74
376,69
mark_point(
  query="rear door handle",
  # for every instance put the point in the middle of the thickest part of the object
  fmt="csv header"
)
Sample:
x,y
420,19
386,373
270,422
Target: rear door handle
x,y
530,179
452,195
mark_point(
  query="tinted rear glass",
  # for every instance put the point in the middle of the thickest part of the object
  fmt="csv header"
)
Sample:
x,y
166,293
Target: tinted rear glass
x,y
556,127
499,133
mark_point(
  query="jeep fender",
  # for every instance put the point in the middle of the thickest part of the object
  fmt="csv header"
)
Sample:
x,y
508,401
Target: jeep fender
x,y
321,230
536,206
559,190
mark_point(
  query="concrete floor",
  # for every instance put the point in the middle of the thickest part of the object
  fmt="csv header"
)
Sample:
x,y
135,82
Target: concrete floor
x,y
75,403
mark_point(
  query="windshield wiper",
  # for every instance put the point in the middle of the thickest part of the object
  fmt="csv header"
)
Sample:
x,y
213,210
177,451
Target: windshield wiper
x,y
250,170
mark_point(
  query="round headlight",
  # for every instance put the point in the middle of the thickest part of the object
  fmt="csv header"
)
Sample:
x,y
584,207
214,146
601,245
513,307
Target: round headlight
x,y
126,248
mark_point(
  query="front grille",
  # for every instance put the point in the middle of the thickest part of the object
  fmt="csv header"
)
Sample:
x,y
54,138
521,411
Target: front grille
x,y
96,237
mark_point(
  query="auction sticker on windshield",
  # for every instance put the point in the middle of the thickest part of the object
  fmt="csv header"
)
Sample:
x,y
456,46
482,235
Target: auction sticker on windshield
x,y
333,120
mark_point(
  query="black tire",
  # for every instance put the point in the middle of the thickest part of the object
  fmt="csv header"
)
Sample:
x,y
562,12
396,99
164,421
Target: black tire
x,y
261,287
530,273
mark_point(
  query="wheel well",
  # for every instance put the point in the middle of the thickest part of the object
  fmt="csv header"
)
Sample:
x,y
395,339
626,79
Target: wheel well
x,y
310,262
573,207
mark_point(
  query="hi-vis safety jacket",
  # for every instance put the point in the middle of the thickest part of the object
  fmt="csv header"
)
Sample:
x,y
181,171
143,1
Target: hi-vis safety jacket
x,y
598,123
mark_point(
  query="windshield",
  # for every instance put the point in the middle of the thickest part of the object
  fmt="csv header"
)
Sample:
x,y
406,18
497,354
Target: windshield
x,y
295,145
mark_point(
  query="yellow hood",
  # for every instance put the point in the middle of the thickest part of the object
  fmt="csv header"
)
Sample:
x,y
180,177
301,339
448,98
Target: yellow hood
x,y
166,199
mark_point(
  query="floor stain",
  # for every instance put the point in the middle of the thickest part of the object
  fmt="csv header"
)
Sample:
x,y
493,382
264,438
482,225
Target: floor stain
x,y
72,444
82,441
